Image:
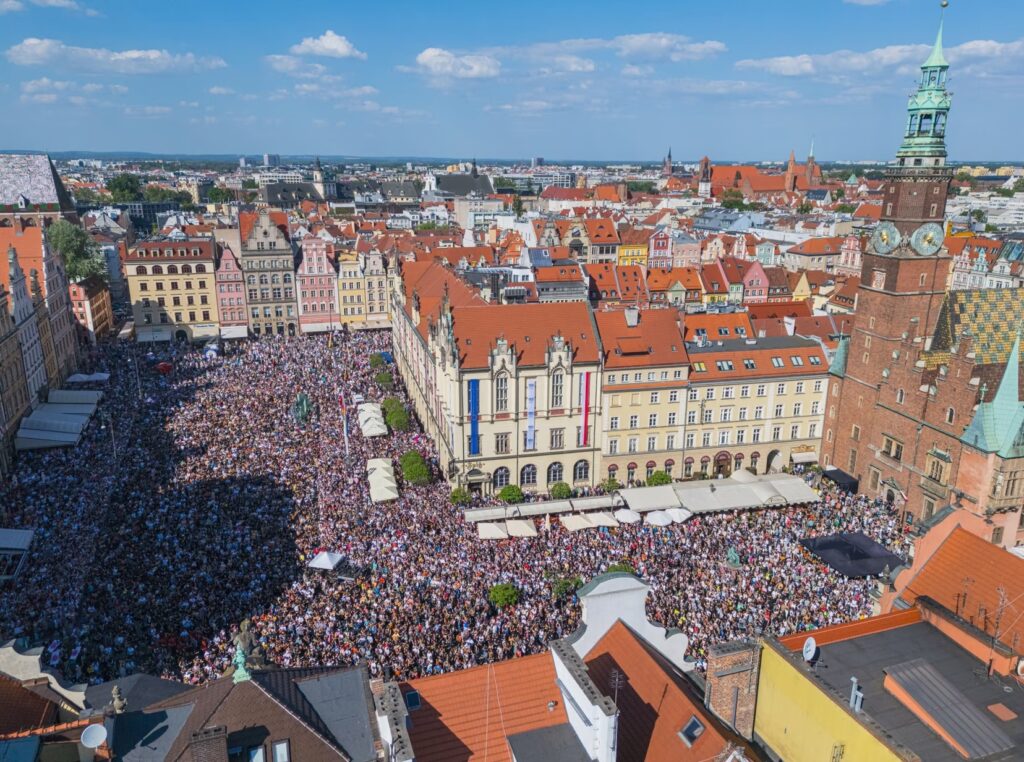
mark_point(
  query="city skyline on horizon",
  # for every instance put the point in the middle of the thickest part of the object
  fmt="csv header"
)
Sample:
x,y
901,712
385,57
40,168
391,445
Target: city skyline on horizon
x,y
609,90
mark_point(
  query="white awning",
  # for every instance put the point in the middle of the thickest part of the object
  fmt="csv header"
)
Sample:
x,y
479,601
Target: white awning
x,y
602,519
381,476
325,559
804,457
678,515
658,518
491,531
574,522
626,516
521,528
234,331
643,499
371,420
16,539
74,396
82,378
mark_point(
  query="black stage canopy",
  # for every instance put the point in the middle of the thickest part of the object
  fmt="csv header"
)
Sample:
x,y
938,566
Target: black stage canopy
x,y
842,479
852,554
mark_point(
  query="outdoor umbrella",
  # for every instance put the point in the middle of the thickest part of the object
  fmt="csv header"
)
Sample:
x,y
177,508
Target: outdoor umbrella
x,y
626,516
658,519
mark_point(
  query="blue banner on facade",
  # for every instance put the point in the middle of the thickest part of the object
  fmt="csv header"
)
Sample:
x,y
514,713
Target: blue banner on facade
x,y
474,417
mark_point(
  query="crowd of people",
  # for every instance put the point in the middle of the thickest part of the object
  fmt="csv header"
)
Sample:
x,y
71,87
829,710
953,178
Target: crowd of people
x,y
196,499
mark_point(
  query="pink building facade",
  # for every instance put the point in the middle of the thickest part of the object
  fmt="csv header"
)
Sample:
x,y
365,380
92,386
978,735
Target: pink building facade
x,y
231,296
317,281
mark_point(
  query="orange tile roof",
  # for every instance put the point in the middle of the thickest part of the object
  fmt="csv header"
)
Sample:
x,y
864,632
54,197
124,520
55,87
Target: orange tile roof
x,y
868,212
558,273
779,310
246,221
654,340
818,246
704,363
966,562
469,714
710,322
663,278
851,630
601,231
654,704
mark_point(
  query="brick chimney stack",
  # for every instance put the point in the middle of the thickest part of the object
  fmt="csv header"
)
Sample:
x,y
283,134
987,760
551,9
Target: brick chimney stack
x,y
731,691
209,744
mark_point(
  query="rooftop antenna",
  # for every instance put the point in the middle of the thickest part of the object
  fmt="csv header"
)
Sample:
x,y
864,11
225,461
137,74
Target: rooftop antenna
x,y
618,680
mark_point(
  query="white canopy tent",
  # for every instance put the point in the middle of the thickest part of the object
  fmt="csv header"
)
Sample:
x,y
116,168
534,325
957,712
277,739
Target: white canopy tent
x,y
84,378
574,522
371,420
381,475
658,519
491,530
602,519
521,528
626,516
678,515
325,559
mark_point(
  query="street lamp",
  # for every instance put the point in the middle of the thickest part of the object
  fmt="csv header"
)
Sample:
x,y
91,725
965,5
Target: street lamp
x,y
113,441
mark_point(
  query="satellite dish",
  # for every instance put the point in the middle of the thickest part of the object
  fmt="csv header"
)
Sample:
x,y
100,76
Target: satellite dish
x,y
94,736
810,650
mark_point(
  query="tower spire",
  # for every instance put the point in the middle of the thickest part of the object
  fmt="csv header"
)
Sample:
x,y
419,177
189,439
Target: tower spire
x,y
937,58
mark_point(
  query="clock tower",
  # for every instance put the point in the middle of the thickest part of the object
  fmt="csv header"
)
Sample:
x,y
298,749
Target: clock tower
x,y
905,268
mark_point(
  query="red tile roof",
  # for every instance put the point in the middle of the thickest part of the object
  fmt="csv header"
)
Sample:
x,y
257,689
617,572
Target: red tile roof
x,y
966,562
21,709
29,245
654,340
737,324
469,714
654,704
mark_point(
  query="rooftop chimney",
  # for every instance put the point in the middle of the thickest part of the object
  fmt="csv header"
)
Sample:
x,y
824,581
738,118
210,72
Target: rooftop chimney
x,y
209,744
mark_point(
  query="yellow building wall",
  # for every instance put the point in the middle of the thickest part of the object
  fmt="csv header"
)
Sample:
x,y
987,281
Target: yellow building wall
x,y
800,723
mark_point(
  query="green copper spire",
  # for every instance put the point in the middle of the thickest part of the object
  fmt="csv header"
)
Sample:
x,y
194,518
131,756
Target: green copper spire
x,y
924,143
936,59
997,423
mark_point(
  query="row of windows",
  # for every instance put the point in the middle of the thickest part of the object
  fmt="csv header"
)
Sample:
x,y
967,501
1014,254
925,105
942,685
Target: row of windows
x,y
144,252
278,312
171,269
266,264
229,287
639,377
528,474
147,317
633,444
159,285
634,421
761,390
265,294
750,364
271,280
740,436
725,414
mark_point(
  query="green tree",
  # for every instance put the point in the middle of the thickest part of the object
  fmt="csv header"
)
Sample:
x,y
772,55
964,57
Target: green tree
x,y
658,479
560,491
218,195
424,227
384,380
503,183
511,494
517,207
82,255
377,361
732,199
622,566
566,586
979,215
249,184
398,419
88,196
503,594
610,484
125,188
414,468
805,208
846,208
461,496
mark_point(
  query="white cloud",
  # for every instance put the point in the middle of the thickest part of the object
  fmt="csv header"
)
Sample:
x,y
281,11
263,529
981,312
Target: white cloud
x,y
296,67
35,51
45,84
68,5
442,64
845,62
218,90
359,92
307,87
674,47
10,6
118,89
528,106
78,100
632,70
147,110
188,104
705,86
328,44
573,64
39,98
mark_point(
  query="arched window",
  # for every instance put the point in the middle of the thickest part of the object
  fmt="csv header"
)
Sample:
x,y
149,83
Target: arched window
x,y
581,471
157,270
140,270
900,396
251,280
186,269
501,477
287,278
501,393
528,475
264,281
554,473
172,269
202,268
275,279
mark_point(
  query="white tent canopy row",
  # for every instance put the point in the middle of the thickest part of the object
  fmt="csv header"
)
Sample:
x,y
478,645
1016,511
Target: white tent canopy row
x,y
58,422
371,420
381,476
679,501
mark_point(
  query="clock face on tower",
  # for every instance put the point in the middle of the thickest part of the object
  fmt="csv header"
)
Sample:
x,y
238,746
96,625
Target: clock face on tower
x,y
885,238
927,239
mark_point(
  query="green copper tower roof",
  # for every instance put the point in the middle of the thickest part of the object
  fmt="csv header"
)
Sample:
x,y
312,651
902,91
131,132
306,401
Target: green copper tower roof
x,y
936,59
924,141
998,424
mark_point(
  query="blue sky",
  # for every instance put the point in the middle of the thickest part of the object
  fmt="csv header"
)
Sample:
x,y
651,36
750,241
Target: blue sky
x,y
560,79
